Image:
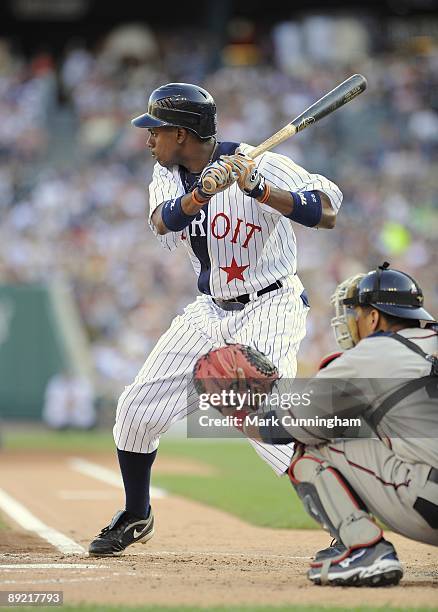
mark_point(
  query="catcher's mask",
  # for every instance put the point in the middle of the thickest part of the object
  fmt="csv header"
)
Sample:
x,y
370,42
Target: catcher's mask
x,y
344,322
391,292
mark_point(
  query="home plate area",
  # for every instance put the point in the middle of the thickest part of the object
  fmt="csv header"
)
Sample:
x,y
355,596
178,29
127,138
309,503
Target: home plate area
x,y
53,507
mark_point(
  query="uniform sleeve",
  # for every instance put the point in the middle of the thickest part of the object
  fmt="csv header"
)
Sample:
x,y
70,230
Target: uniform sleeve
x,y
332,403
163,187
345,366
283,173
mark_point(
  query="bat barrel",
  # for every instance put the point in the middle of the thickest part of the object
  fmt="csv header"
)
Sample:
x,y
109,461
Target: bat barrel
x,y
334,99
337,97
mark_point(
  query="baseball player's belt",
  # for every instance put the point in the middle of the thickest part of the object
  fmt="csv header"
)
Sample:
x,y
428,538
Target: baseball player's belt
x,y
239,302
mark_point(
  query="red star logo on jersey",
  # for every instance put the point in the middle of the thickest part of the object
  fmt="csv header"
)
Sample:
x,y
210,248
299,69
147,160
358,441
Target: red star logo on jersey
x,y
234,271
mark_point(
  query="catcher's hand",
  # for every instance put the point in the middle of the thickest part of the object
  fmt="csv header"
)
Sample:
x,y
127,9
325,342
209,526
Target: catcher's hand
x,y
222,174
235,369
249,178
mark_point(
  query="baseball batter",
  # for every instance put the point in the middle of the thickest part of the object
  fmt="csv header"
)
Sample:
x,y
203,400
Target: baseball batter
x,y
240,239
388,377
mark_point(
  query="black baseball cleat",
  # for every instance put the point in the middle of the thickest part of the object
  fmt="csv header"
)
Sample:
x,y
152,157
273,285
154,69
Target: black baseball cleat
x,y
125,529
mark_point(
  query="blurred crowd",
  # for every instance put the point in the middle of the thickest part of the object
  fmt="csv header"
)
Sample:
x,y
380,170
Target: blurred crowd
x,y
74,173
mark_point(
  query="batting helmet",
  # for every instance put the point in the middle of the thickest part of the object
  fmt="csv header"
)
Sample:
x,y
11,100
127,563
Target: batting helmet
x,y
392,292
180,105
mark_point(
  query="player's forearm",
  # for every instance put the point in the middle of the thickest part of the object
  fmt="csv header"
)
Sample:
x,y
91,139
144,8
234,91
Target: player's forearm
x,y
328,217
312,208
283,201
158,221
189,208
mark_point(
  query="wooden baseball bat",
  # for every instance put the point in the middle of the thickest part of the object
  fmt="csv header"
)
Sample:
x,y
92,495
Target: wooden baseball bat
x,y
334,99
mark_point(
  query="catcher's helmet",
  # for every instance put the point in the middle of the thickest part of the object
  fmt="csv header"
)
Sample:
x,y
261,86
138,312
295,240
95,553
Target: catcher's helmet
x,y
180,105
392,292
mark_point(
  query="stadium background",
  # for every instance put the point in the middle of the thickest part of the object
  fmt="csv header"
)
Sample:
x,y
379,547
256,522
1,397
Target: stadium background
x,y
73,172
84,284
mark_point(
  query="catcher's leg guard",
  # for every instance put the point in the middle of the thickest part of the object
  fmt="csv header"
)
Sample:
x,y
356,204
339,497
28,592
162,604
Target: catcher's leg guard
x,y
329,499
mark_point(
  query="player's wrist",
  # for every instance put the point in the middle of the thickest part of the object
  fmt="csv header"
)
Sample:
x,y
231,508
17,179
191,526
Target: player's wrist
x,y
306,208
174,217
199,196
261,191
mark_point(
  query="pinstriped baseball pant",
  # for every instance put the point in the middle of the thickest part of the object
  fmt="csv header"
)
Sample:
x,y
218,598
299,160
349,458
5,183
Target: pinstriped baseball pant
x,y
273,323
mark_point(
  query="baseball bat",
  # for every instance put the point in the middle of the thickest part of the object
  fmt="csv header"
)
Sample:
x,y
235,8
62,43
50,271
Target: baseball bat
x,y
334,99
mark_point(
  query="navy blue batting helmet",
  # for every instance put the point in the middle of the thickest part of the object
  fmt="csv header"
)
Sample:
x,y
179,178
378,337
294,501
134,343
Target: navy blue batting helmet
x,y
180,105
392,292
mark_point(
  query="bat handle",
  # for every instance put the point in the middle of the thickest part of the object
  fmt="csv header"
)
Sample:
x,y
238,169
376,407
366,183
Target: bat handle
x,y
274,140
209,183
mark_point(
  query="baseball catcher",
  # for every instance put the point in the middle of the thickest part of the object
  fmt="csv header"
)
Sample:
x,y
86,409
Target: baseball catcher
x,y
387,375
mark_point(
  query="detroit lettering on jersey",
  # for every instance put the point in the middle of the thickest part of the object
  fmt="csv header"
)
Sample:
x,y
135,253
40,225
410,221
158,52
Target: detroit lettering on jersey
x,y
198,239
236,244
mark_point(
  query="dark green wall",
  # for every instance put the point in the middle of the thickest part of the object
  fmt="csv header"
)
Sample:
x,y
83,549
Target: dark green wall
x,y
30,349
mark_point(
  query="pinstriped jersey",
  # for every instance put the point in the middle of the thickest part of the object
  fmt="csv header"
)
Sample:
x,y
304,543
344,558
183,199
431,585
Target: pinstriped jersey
x,y
236,244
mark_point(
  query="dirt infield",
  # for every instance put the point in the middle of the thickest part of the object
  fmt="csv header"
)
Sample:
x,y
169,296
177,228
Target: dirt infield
x,y
198,556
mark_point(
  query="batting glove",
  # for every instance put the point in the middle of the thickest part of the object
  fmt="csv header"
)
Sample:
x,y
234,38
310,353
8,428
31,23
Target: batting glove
x,y
249,179
223,176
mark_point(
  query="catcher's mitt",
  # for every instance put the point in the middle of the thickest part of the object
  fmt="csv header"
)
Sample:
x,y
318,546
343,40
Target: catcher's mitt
x,y
238,368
